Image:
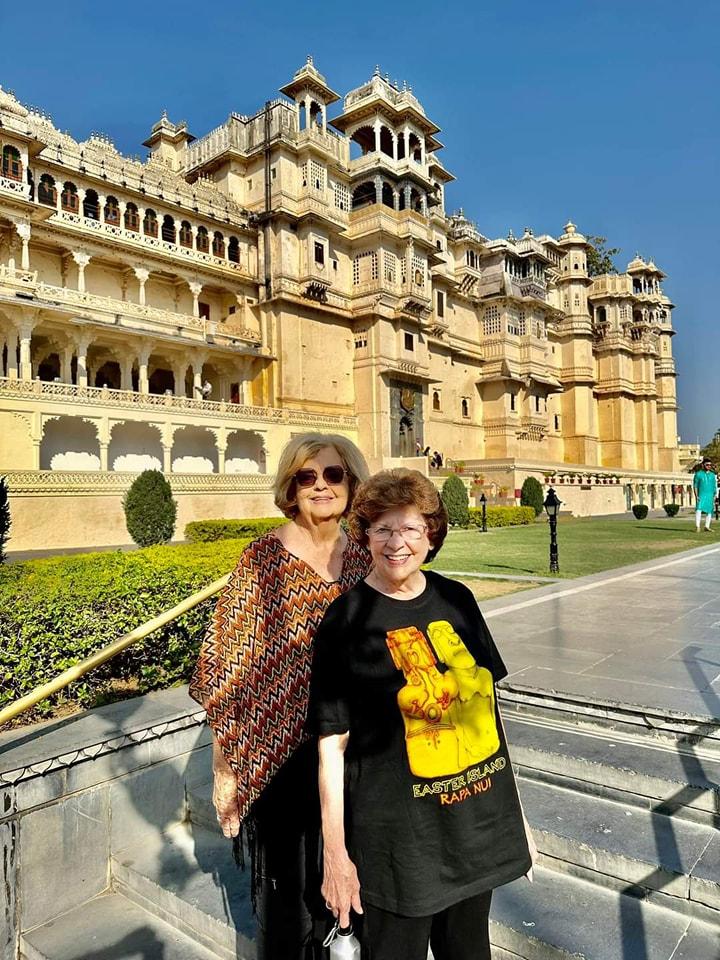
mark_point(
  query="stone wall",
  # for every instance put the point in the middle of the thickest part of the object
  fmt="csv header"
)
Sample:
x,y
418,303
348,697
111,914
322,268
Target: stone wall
x,y
73,793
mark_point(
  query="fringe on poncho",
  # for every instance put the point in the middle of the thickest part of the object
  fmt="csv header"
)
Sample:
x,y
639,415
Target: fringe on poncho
x,y
253,673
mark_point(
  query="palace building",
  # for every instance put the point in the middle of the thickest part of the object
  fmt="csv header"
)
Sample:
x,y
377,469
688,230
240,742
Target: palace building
x,y
288,271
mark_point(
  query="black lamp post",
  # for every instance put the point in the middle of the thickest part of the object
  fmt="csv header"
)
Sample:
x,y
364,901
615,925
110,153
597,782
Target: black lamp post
x,y
552,505
483,501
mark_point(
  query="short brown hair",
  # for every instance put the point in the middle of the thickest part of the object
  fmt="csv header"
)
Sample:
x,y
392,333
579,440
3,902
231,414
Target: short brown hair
x,y
399,488
300,449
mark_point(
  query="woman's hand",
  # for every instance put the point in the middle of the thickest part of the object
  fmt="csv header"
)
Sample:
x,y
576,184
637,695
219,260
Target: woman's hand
x,y
341,887
225,801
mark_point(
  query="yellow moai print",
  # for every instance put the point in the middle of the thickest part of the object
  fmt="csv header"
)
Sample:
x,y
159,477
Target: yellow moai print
x,y
449,716
473,712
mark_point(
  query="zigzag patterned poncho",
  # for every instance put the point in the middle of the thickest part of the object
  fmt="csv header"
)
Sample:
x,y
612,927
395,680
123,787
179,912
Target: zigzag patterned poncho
x,y
253,673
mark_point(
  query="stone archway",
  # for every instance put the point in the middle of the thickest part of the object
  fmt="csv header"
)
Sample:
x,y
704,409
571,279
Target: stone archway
x,y
194,451
245,452
69,443
134,447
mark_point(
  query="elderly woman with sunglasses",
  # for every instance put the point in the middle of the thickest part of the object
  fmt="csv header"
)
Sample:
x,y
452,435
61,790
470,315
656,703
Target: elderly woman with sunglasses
x,y
420,814
253,679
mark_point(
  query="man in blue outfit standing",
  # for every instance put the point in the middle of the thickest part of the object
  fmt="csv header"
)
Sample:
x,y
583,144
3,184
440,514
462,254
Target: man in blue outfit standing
x,y
706,488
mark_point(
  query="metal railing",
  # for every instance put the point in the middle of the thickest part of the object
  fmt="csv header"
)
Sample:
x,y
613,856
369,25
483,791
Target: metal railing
x,y
79,670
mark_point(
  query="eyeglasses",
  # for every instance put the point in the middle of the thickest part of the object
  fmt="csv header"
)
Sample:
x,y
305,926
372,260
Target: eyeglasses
x,y
410,533
331,475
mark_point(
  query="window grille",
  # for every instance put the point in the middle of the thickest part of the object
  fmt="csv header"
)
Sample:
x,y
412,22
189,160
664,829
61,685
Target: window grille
x,y
390,261
342,196
365,267
418,271
491,320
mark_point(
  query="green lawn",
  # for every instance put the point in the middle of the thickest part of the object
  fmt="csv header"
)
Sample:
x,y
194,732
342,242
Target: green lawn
x,y
585,545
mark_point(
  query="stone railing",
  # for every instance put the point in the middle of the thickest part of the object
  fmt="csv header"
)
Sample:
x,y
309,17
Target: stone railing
x,y
80,482
24,278
18,187
94,301
128,399
337,146
142,240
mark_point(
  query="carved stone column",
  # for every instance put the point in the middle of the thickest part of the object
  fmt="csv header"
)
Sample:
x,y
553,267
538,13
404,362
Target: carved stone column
x,y
66,363
167,457
179,369
376,129
142,277
143,360
82,260
126,365
378,189
23,230
195,290
82,344
25,336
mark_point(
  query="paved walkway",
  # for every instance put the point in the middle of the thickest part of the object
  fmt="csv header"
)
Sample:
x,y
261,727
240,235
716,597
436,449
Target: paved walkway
x,y
646,635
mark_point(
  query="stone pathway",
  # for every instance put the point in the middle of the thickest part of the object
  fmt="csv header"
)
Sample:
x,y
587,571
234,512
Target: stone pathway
x,y
646,635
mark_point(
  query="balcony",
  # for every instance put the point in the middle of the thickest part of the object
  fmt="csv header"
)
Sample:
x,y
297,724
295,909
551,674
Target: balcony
x,y
187,255
17,188
327,141
104,400
118,313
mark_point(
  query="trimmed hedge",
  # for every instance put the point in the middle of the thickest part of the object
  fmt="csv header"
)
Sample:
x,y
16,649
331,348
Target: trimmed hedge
x,y
671,509
640,510
455,497
531,495
150,510
502,516
55,612
209,531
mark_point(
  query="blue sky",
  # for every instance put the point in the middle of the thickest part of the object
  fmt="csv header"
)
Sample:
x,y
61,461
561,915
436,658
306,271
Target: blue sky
x,y
602,112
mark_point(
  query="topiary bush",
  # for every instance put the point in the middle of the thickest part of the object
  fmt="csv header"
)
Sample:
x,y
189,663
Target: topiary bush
x,y
455,497
5,521
671,509
531,495
209,531
640,510
56,612
150,510
502,516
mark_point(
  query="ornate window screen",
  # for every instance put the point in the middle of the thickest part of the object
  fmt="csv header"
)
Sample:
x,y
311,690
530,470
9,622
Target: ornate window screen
x,y
365,267
491,320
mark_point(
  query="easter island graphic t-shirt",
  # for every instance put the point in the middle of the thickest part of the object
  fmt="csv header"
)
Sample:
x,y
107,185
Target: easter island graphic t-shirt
x,y
432,811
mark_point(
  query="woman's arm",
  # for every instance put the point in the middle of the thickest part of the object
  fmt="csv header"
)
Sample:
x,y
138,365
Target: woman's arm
x,y
225,792
341,887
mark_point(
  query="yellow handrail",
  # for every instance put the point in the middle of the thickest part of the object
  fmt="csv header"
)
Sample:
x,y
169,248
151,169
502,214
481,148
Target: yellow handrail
x,y
107,653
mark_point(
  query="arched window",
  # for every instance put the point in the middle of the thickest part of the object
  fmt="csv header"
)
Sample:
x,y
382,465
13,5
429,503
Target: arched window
x,y
69,199
415,148
150,224
112,212
202,243
465,407
132,218
363,195
168,229
436,400
91,206
386,141
387,195
186,238
362,142
234,250
47,193
11,163
218,245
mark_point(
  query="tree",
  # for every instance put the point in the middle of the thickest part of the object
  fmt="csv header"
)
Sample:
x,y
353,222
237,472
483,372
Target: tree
x,y
150,510
531,495
455,497
712,449
5,521
599,257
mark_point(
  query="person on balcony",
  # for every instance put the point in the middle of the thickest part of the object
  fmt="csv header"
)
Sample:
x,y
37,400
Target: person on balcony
x,y
421,818
253,678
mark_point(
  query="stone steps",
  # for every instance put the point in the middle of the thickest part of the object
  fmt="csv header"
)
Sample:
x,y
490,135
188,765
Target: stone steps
x,y
629,868
109,927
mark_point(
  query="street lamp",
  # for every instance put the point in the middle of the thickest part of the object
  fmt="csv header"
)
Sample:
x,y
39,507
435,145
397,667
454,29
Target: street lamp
x,y
552,505
483,502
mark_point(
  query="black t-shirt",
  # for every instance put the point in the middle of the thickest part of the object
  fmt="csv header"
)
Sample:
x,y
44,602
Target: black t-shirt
x,y
432,812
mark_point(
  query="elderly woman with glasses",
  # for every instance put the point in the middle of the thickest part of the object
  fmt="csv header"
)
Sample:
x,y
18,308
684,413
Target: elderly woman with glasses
x,y
420,813
253,678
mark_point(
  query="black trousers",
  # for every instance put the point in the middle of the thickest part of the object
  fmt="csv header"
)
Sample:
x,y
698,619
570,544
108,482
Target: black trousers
x,y
291,914
460,932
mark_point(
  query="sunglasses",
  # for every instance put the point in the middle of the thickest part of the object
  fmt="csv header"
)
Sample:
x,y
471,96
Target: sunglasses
x,y
331,475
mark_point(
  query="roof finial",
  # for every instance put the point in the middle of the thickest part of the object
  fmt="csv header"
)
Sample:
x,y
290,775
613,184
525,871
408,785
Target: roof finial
x,y
309,60
377,70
